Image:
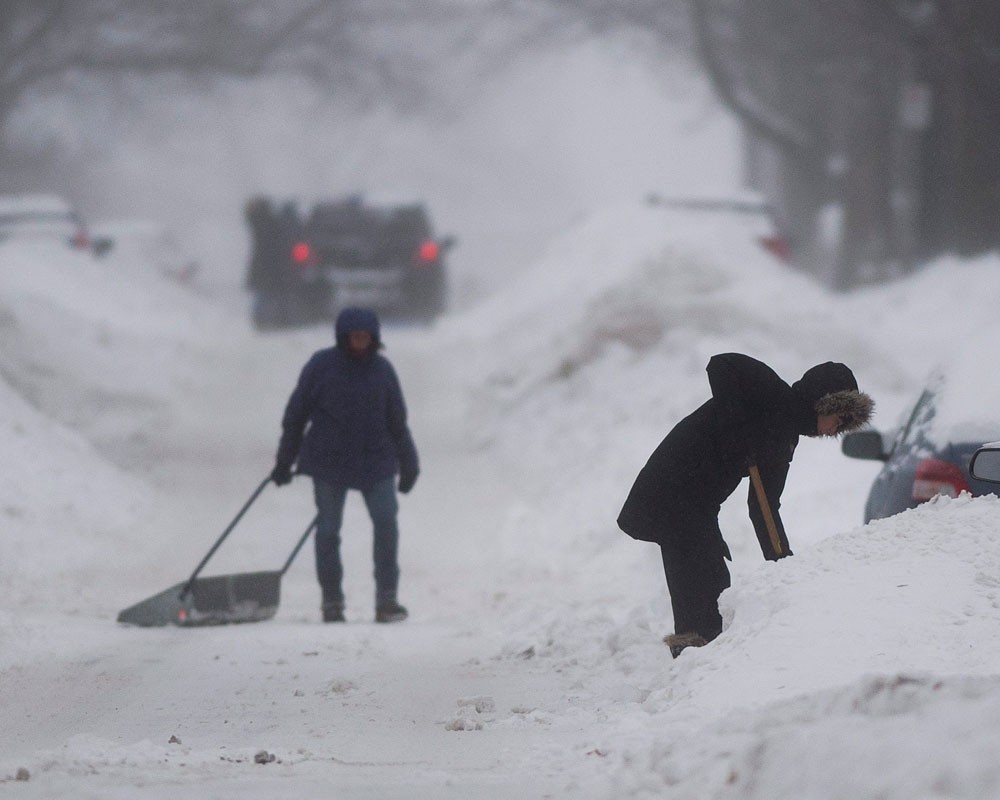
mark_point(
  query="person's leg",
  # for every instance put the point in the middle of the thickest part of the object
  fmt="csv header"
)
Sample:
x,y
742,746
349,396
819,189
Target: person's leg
x,y
383,507
710,577
694,562
329,570
686,601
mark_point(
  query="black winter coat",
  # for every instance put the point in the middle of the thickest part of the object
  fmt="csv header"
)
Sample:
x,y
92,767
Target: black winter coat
x,y
753,416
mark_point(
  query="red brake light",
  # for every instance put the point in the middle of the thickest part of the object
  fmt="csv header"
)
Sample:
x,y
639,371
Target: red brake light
x,y
777,246
936,477
80,239
301,253
429,251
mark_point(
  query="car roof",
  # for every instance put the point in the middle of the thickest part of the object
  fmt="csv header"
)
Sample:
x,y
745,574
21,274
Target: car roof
x,y
17,204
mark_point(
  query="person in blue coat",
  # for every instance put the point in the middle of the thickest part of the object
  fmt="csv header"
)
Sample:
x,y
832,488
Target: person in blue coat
x,y
345,426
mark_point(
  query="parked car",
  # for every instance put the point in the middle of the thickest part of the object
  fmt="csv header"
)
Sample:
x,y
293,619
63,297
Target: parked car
x,y
47,217
749,210
348,252
929,453
985,464
149,243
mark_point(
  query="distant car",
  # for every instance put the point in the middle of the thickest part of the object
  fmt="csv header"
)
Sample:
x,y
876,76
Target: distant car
x,y
345,253
386,257
929,454
47,217
149,243
985,464
751,211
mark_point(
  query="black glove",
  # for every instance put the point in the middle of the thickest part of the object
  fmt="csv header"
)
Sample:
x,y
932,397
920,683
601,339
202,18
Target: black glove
x,y
406,480
281,474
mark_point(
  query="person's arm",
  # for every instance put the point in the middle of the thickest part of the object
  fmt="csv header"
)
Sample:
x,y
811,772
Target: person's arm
x,y
406,450
772,478
294,421
744,390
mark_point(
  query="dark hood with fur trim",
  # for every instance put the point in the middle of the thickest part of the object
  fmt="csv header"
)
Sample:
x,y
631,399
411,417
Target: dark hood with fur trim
x,y
831,388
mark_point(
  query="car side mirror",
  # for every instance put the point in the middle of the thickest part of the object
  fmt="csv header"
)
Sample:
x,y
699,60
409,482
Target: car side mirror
x,y
866,445
985,464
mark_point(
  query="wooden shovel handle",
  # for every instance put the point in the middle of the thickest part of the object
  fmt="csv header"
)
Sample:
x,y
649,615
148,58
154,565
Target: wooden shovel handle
x,y
765,507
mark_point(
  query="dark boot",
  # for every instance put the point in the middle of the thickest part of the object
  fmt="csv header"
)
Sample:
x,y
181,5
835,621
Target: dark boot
x,y
390,611
333,613
679,641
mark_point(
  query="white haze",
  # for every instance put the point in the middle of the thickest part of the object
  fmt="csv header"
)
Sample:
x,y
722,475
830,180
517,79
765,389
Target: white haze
x,y
504,162
137,414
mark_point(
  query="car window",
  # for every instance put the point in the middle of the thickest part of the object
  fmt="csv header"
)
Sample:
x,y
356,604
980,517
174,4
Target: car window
x,y
914,434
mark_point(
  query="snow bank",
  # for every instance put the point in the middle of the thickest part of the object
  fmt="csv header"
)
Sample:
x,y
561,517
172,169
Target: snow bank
x,y
58,498
858,668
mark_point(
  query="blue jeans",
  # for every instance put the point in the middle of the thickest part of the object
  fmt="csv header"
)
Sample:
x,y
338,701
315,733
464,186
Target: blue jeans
x,y
382,508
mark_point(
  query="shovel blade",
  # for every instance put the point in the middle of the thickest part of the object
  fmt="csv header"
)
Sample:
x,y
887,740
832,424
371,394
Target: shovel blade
x,y
217,600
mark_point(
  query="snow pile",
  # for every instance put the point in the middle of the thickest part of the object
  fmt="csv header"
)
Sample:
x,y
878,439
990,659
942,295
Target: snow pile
x,y
58,498
101,345
859,668
97,362
941,322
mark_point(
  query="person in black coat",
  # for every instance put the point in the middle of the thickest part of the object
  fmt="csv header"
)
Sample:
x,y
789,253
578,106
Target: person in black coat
x,y
345,425
751,424
268,254
268,274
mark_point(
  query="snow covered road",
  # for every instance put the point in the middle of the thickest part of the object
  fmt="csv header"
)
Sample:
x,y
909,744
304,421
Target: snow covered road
x,y
409,711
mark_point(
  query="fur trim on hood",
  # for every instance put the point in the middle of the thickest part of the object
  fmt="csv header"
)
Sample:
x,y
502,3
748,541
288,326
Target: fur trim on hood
x,y
831,388
853,407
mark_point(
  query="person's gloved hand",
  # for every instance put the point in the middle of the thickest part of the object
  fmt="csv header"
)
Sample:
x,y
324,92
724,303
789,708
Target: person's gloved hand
x,y
407,478
281,474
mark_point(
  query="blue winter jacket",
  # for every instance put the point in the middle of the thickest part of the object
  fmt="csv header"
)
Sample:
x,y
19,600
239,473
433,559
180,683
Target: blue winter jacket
x,y
345,421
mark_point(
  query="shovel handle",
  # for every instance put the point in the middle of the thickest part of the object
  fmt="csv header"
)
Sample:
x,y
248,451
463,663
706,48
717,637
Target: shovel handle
x,y
302,541
765,507
187,586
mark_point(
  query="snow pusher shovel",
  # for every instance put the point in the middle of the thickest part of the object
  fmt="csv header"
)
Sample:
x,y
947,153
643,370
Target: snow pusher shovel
x,y
219,599
765,507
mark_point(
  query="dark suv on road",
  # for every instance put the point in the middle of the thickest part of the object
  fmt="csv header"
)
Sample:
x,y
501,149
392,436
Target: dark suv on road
x,y
349,253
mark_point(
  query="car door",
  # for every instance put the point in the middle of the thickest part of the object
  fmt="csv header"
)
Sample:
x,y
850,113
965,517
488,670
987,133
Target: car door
x,y
892,490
